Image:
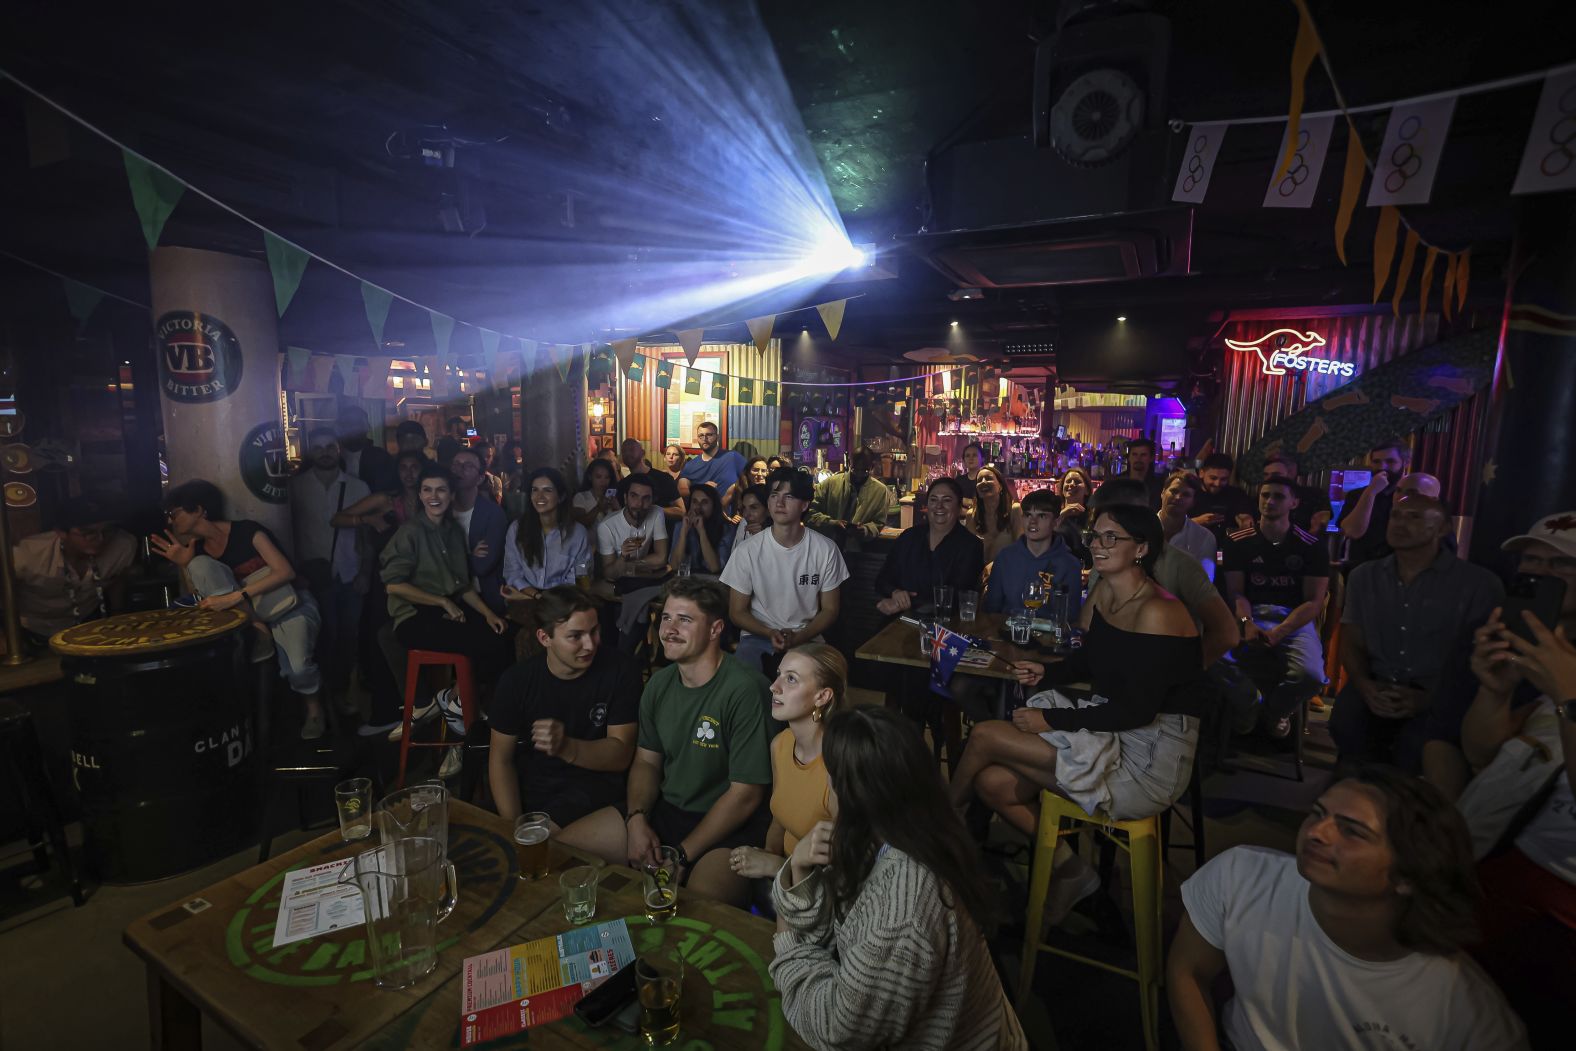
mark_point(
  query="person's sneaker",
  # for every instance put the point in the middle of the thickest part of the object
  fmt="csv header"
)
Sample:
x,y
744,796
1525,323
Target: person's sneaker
x,y
452,759
312,729
453,712
1318,704
1066,892
184,602
417,717
1280,729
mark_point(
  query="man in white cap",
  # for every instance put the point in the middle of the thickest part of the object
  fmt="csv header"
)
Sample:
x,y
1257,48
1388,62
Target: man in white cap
x,y
1517,743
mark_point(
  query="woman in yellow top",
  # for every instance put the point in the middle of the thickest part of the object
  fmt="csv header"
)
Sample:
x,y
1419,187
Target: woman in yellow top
x,y
809,687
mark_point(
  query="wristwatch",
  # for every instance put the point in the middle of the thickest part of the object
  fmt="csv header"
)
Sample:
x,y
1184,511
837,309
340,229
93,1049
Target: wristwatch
x,y
684,861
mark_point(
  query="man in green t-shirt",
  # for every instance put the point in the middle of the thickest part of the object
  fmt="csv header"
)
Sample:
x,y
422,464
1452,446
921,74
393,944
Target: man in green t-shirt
x,y
702,771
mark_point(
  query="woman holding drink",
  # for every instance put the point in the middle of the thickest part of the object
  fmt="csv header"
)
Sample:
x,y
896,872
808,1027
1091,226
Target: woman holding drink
x,y
880,911
809,687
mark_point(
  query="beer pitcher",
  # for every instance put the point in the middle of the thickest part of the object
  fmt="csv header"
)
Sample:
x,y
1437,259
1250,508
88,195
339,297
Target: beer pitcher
x,y
420,810
407,889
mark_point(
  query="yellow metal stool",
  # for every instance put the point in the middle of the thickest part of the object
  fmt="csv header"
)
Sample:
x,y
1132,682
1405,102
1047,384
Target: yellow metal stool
x,y
1141,840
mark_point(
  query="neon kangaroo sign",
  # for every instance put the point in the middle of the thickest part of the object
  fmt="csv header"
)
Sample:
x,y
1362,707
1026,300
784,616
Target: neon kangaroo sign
x,y
1284,348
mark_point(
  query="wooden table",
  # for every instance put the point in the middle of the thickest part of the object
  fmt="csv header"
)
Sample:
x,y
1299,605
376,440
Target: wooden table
x,y
40,671
213,955
898,643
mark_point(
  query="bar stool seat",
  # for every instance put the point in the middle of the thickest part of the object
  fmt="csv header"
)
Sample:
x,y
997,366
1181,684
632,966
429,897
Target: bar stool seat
x,y
33,794
1141,839
465,683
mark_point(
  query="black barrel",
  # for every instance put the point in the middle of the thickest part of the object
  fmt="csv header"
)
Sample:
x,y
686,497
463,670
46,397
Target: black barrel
x,y
164,757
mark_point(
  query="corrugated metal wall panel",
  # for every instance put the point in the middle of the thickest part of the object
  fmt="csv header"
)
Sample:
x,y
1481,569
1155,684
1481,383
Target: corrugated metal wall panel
x,y
1255,402
642,405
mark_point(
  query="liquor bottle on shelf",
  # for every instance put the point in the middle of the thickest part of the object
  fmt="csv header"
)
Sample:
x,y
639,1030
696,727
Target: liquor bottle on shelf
x,y
1097,462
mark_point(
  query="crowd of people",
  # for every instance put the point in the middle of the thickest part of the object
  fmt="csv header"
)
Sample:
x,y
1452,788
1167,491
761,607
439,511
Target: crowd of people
x,y
1199,602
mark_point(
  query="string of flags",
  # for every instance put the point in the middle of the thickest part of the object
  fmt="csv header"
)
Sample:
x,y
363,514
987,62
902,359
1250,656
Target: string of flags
x,y
1401,173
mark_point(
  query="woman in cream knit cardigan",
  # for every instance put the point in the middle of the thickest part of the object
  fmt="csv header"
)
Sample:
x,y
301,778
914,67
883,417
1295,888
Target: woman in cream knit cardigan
x,y
880,911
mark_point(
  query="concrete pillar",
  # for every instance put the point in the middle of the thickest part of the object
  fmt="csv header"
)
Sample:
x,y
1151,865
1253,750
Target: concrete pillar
x,y
216,339
552,414
1529,449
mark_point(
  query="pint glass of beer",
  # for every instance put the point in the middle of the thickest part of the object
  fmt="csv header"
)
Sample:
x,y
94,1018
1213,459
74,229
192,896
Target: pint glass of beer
x,y
530,845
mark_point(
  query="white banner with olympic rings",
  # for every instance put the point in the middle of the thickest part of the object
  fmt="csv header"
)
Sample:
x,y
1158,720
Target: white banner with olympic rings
x,y
1407,161
1198,162
1297,188
1549,161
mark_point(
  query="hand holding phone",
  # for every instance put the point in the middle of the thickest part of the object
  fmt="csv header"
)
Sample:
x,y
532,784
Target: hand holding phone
x,y
1542,596
607,999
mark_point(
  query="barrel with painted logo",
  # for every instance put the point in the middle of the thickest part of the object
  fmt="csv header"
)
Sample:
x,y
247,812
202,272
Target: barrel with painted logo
x,y
216,337
163,748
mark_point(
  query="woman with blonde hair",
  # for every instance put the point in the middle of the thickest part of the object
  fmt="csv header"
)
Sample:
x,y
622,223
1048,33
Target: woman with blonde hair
x,y
810,684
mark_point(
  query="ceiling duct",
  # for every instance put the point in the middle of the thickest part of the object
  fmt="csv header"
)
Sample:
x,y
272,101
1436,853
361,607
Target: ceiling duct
x,y
1082,195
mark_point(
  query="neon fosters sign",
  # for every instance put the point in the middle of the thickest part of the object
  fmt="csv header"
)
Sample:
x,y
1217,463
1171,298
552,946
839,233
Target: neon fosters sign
x,y
1284,349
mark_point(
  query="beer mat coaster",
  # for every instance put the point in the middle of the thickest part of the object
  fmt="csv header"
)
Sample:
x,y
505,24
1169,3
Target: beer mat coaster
x,y
165,920
197,905
613,883
328,1034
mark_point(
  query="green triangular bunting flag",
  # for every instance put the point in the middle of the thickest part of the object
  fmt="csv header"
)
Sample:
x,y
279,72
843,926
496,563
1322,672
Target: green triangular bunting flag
x,y
664,377
636,372
489,350
442,334
286,263
561,355
528,349
81,301
345,367
377,302
155,193
746,391
691,381
769,394
719,386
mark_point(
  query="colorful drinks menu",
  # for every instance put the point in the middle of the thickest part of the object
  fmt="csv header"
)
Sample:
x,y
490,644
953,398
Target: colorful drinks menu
x,y
513,989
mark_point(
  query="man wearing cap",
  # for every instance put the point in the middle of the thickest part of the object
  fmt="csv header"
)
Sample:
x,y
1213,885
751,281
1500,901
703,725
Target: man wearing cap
x,y
64,575
1405,615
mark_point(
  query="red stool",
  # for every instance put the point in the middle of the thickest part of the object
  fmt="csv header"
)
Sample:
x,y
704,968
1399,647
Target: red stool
x,y
416,660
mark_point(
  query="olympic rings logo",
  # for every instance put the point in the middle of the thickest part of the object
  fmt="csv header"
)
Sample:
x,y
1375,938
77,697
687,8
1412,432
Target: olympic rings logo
x,y
1405,160
1561,134
1194,171
1297,174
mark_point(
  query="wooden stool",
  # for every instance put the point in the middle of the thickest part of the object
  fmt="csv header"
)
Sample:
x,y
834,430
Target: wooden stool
x,y
33,794
465,683
1143,848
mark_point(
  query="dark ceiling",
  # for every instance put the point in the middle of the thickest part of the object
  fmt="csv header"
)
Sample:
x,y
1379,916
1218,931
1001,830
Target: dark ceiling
x,y
305,117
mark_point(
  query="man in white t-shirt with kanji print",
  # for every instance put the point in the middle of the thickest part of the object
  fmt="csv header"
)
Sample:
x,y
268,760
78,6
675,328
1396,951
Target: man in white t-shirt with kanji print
x,y
784,581
1354,943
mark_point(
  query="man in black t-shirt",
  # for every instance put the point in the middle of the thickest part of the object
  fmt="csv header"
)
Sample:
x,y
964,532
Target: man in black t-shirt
x,y
1365,515
1277,576
1222,508
1313,509
664,490
574,713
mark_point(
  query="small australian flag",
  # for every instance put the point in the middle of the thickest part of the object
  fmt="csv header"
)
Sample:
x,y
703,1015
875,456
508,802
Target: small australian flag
x,y
948,650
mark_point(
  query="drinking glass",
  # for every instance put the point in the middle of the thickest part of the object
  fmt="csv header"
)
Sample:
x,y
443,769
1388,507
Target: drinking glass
x,y
530,844
579,893
1034,596
662,886
1020,623
927,640
583,574
353,799
684,568
942,594
659,981
968,605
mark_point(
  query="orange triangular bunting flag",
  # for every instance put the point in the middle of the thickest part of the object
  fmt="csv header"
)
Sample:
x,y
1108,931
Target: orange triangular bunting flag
x,y
1428,280
1384,246
690,339
1303,52
1404,277
761,330
624,351
832,316
1463,274
1351,183
1450,284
